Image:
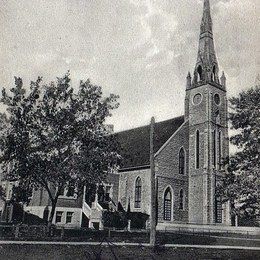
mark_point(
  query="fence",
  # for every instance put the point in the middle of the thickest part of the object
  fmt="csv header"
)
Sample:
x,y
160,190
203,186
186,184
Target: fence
x,y
42,232
33,231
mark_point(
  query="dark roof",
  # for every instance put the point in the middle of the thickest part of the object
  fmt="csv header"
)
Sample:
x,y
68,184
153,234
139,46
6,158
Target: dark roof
x,y
135,143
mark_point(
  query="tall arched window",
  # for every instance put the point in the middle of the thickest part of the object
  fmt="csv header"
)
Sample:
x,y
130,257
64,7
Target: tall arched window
x,y
199,70
213,74
218,209
181,200
214,148
197,150
220,149
138,191
167,204
181,161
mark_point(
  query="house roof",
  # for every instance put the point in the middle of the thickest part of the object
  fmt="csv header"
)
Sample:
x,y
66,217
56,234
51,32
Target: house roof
x,y
135,143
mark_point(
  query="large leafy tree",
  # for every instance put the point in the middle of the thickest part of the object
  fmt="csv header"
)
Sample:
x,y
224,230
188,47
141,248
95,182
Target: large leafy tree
x,y
242,182
56,137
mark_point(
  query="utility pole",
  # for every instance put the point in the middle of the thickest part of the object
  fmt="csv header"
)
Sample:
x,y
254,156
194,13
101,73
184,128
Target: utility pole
x,y
153,189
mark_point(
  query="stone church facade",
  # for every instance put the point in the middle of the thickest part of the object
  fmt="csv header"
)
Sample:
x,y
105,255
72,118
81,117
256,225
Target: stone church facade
x,y
189,152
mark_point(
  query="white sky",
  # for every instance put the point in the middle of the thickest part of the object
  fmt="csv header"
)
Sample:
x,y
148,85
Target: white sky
x,y
141,50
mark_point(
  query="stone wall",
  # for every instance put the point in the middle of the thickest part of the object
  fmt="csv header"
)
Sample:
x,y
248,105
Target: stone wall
x,y
206,117
167,172
127,189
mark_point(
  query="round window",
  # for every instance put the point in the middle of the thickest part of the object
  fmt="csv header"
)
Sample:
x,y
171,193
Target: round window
x,y
197,99
217,99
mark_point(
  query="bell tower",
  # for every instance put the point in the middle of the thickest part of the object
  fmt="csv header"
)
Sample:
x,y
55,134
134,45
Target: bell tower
x,y
206,111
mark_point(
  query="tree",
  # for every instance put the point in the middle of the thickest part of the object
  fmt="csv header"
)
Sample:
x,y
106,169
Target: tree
x,y
21,193
242,182
2,193
57,137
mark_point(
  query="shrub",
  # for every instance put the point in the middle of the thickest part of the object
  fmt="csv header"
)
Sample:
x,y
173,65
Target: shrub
x,y
120,219
138,220
115,219
248,222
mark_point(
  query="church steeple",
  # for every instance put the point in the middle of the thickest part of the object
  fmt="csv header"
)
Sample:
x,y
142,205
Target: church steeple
x,y
206,23
206,116
206,69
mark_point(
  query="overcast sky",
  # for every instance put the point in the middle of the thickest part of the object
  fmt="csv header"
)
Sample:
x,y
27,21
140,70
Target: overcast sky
x,y
141,50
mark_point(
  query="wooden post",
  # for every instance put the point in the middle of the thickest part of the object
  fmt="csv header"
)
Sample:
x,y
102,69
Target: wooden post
x,y
96,195
16,232
62,233
236,220
129,225
153,190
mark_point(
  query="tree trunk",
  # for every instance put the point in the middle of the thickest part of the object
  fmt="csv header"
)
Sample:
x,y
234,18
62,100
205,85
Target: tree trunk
x,y
53,207
23,220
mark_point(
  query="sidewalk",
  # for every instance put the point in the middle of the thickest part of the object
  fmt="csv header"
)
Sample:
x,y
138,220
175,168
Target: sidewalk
x,y
207,228
126,244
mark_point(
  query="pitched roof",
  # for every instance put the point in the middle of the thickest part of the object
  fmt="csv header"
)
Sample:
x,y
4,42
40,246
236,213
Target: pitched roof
x,y
135,143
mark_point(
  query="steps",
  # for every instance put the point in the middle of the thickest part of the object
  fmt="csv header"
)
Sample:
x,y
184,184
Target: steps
x,y
94,214
86,210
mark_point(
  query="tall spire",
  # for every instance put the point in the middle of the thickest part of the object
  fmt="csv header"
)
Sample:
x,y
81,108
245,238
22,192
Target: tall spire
x,y
206,23
206,69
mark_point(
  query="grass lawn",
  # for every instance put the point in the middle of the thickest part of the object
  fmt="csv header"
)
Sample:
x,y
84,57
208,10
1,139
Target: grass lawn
x,y
143,237
67,252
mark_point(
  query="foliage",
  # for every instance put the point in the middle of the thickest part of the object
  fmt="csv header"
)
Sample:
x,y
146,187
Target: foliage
x,y
138,220
115,219
119,219
21,194
242,182
56,137
2,193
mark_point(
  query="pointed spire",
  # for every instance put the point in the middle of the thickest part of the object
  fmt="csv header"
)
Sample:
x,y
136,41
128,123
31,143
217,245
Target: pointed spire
x,y
206,23
188,78
223,80
206,69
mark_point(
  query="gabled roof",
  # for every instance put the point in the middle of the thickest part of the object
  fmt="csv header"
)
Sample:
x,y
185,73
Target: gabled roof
x,y
135,143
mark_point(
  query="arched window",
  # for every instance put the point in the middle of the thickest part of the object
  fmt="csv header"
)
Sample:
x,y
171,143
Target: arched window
x,y
181,161
199,70
218,209
197,150
213,74
220,149
181,200
214,148
138,191
167,204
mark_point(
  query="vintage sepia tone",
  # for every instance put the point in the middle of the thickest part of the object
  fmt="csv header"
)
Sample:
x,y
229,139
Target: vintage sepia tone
x,y
167,169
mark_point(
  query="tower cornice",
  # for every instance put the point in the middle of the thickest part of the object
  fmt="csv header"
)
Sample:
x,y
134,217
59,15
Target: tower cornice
x,y
214,84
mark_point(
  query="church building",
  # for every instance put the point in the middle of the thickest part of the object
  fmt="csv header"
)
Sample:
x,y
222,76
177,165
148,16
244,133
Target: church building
x,y
188,156
189,150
